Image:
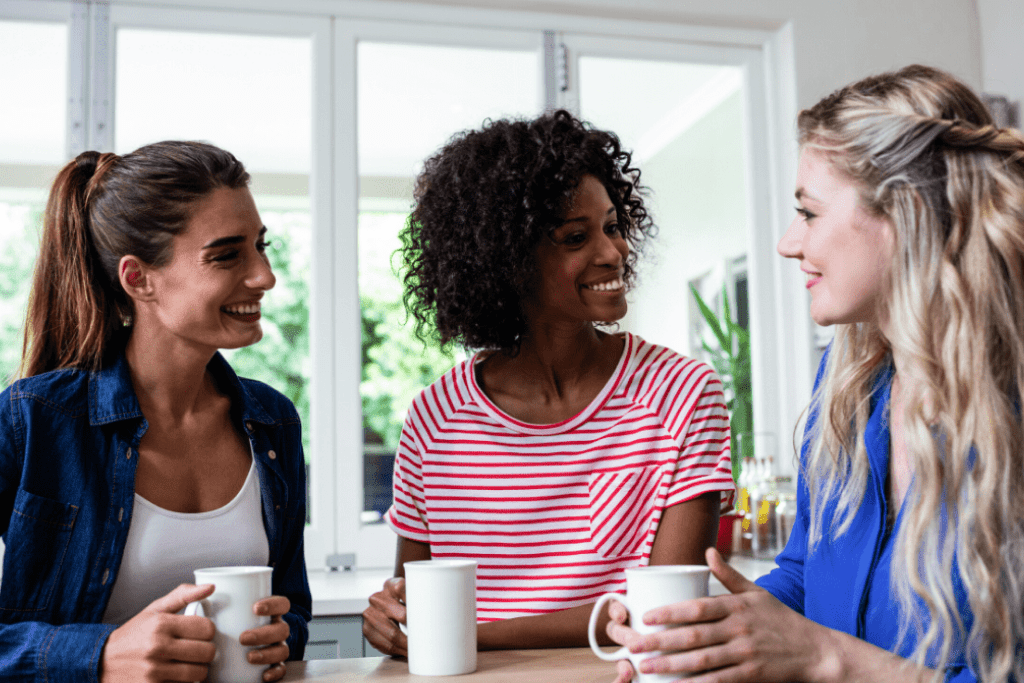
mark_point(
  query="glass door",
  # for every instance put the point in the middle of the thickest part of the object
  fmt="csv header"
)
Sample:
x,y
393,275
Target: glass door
x,y
685,113
248,84
415,88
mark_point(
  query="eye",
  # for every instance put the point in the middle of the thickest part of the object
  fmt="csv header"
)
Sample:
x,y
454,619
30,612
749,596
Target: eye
x,y
262,245
575,238
614,229
805,213
226,256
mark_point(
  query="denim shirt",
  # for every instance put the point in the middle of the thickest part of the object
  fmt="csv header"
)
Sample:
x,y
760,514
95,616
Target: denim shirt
x,y
845,583
68,451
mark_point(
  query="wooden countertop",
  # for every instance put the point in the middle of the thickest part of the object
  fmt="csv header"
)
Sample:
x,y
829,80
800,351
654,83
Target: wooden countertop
x,y
576,665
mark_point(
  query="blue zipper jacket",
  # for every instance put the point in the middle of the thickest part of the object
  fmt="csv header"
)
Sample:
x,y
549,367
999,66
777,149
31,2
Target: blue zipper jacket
x,y
68,450
844,584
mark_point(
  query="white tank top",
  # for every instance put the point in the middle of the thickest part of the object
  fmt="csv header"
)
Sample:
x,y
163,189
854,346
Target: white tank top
x,y
165,547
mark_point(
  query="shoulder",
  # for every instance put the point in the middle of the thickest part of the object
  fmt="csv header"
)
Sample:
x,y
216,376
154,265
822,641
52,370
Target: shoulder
x,y
277,406
65,390
451,391
656,367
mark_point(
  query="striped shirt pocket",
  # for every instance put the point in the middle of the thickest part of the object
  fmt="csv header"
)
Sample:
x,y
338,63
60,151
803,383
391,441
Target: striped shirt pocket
x,y
621,505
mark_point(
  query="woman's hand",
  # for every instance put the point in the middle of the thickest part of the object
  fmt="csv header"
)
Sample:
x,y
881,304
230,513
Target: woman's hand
x,y
157,644
745,636
271,638
382,617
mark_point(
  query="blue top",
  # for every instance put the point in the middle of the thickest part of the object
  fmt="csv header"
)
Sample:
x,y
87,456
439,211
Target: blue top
x,y
845,583
68,450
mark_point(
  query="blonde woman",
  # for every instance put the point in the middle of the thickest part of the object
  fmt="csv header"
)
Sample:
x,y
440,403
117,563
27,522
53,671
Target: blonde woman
x,y
905,563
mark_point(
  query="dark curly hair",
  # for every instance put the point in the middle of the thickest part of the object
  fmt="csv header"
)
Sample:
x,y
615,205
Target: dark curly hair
x,y
484,202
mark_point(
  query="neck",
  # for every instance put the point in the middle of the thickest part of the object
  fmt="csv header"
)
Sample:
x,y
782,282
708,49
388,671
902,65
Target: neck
x,y
559,357
169,377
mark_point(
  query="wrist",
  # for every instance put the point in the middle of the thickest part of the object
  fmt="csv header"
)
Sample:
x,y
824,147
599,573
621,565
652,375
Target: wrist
x,y
827,665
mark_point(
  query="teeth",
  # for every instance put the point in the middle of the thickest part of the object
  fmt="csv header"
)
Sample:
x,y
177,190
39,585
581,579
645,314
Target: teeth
x,y
612,286
242,309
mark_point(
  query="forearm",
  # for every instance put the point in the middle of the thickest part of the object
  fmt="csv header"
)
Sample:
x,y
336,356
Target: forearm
x,y
32,650
564,628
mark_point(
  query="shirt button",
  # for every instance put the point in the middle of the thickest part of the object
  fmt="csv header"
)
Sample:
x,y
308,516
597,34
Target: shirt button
x,y
120,514
128,453
248,425
106,575
272,455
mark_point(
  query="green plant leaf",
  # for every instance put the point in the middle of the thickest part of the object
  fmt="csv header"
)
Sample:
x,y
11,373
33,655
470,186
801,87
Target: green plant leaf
x,y
712,321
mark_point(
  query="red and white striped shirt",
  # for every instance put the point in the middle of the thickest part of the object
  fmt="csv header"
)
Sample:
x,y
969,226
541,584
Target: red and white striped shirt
x,y
553,514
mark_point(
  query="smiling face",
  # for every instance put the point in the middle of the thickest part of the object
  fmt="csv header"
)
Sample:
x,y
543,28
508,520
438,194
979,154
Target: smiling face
x,y
581,262
208,294
845,251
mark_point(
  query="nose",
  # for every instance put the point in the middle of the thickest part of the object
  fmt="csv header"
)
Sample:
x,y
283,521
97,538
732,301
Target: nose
x,y
612,250
261,275
791,244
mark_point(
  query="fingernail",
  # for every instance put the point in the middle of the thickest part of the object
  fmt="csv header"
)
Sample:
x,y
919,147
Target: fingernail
x,y
255,657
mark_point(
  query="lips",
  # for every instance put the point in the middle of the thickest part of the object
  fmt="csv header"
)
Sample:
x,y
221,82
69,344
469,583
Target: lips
x,y
615,285
813,279
245,312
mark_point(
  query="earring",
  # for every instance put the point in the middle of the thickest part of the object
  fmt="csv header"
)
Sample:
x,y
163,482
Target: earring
x,y
133,278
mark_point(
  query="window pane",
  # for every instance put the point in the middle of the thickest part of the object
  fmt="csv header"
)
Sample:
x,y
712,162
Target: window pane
x,y
684,124
33,80
251,95
411,100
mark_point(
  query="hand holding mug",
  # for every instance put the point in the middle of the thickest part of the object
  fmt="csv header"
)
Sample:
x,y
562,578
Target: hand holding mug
x,y
382,619
245,616
746,636
647,588
269,641
158,644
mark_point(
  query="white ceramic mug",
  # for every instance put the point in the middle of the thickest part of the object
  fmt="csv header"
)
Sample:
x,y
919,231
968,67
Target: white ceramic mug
x,y
440,607
236,590
647,588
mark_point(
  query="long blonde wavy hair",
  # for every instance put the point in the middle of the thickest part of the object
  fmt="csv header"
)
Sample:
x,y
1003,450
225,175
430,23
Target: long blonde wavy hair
x,y
926,156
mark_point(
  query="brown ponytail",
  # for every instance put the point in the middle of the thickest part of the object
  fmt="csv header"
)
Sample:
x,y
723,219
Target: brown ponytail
x,y
103,207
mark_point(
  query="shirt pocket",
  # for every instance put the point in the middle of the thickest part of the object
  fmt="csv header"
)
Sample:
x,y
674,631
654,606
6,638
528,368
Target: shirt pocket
x,y
36,543
621,505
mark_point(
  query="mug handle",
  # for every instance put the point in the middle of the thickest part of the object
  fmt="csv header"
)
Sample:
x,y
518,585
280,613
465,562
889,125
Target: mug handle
x,y
622,652
194,608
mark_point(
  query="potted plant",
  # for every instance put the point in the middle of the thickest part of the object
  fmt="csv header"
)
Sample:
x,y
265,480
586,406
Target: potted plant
x,y
730,357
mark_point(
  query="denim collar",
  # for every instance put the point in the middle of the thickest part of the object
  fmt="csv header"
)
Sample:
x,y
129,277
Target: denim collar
x,y
112,396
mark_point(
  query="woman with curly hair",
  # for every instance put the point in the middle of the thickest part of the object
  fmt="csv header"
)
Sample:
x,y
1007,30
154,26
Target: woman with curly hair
x,y
905,562
559,454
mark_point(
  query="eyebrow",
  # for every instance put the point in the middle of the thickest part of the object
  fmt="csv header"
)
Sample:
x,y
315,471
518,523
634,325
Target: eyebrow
x,y
234,239
581,219
801,193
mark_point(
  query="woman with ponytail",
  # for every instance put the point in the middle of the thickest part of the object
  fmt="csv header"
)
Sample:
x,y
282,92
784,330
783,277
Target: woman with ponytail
x,y
906,562
130,452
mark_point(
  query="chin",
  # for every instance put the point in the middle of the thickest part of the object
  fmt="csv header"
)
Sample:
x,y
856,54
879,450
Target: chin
x,y
242,343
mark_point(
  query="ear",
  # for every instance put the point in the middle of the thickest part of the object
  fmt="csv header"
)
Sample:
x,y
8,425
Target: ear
x,y
135,279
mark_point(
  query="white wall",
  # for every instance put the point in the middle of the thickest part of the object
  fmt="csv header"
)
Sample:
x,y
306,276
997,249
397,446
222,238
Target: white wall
x,y
836,41
1002,49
